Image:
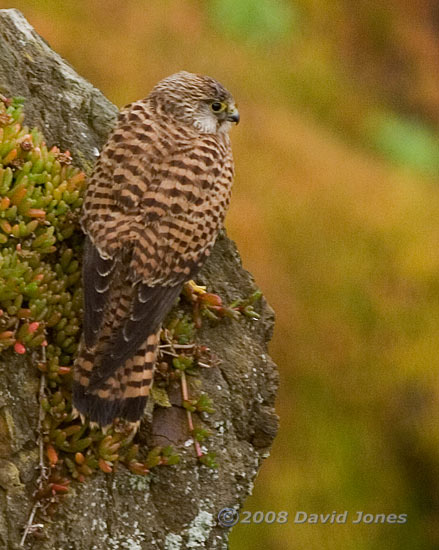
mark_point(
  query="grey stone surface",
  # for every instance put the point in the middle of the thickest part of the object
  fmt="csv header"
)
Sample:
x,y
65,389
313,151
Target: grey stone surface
x,y
176,507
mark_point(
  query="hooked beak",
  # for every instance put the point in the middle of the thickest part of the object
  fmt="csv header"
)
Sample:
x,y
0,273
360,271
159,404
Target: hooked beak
x,y
233,115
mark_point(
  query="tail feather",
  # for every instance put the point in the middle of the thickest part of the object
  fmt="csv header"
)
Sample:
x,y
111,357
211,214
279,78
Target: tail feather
x,y
122,395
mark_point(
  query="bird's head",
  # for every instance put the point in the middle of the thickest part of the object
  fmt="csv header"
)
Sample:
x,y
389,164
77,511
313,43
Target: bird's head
x,y
196,100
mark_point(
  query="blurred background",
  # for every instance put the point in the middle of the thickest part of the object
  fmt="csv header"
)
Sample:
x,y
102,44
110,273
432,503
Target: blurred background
x,y
335,212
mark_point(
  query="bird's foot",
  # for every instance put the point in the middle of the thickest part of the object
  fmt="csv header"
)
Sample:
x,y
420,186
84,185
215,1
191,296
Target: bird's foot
x,y
193,288
203,302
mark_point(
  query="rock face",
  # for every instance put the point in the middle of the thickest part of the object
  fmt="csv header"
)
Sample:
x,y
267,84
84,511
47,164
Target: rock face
x,y
175,507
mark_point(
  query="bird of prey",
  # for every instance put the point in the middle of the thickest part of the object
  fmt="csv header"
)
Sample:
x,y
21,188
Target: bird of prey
x,y
152,211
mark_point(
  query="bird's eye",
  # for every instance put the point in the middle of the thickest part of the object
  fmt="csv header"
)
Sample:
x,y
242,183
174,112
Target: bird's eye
x,y
217,107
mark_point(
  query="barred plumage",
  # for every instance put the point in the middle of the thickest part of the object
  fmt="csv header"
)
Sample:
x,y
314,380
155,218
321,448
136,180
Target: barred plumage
x,y
155,203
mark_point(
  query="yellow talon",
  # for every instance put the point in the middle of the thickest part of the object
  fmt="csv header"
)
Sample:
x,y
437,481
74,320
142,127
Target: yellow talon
x,y
196,289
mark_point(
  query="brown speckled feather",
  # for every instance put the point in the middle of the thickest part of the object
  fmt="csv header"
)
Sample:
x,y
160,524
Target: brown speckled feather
x,y
155,203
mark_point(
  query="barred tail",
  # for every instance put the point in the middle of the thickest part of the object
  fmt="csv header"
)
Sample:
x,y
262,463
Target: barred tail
x,y
124,393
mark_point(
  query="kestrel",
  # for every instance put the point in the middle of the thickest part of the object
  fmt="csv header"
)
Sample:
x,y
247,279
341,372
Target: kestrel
x,y
152,211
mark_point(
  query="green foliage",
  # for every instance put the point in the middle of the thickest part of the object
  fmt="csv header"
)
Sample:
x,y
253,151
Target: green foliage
x,y
407,142
200,434
40,198
204,404
258,21
182,329
209,460
159,456
182,362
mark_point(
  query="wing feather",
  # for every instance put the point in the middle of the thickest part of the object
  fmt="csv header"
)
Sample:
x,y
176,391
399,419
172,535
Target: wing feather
x,y
149,307
97,274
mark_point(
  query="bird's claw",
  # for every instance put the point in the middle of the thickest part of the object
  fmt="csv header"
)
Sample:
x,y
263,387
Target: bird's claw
x,y
193,288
